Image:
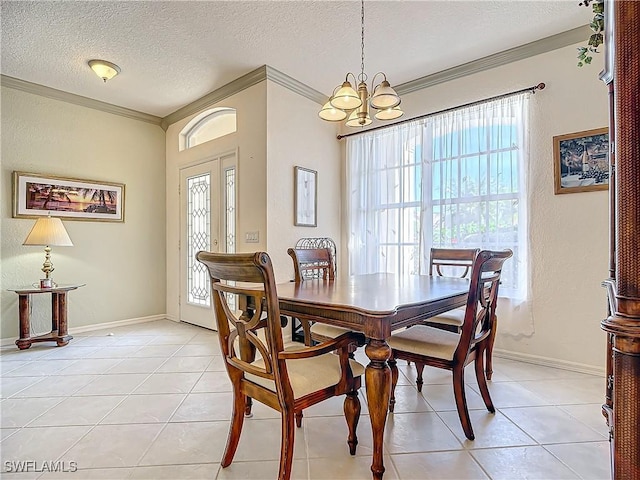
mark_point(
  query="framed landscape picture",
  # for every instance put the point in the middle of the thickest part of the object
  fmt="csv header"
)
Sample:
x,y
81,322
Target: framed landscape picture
x,y
36,195
581,161
305,197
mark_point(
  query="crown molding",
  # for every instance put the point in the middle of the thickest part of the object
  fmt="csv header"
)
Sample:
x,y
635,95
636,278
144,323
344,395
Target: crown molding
x,y
295,86
544,45
260,74
248,80
62,96
265,72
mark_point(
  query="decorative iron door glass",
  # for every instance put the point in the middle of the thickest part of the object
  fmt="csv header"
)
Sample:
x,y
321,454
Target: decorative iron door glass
x,y
306,197
36,195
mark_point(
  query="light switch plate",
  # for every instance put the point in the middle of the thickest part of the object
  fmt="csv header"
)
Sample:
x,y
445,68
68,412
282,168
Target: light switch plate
x,y
252,237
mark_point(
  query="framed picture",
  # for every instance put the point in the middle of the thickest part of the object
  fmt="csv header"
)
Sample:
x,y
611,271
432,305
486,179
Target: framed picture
x,y
36,195
581,161
305,197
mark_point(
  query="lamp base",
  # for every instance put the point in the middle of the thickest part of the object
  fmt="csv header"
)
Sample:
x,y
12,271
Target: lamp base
x,y
46,282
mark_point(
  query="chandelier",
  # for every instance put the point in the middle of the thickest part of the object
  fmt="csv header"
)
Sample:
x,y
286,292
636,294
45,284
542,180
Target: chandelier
x,y
347,102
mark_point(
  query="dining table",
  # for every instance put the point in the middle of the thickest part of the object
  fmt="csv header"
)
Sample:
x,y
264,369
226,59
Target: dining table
x,y
374,304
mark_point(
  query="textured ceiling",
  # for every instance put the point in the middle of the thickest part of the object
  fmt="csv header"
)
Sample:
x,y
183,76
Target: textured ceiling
x,y
172,53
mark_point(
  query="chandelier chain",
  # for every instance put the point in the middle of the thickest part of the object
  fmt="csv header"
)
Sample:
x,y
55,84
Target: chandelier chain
x,y
362,77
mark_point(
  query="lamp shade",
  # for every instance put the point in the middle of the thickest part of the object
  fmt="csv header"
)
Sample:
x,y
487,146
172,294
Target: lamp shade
x,y
384,96
331,113
346,98
389,113
48,231
105,70
358,121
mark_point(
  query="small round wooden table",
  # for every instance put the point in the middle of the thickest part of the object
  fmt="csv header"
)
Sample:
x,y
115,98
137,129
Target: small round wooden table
x,y
58,332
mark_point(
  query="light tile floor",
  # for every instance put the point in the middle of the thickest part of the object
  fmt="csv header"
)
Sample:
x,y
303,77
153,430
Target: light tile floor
x,y
152,401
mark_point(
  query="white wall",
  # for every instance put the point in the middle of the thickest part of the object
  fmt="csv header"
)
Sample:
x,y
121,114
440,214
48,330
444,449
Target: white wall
x,y
296,136
569,233
122,264
250,142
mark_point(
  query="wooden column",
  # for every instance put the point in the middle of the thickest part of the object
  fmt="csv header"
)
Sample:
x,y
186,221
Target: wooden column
x,y
623,325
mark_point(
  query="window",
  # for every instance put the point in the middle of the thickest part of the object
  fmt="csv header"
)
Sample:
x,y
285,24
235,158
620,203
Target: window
x,y
208,126
452,180
198,237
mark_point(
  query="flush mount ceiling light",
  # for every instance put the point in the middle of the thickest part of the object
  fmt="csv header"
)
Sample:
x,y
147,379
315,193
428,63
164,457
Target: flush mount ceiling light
x,y
347,102
105,70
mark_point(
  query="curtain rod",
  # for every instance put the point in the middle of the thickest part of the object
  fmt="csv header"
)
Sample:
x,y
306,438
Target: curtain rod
x,y
533,89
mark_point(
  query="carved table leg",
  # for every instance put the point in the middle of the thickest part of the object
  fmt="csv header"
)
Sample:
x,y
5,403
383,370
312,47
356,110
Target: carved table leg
x,y
55,312
61,320
24,341
378,382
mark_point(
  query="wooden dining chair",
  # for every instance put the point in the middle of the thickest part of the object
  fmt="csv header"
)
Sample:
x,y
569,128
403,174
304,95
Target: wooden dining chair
x,y
285,380
315,263
439,348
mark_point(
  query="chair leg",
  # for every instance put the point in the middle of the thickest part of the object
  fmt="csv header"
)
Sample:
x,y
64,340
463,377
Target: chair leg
x,y
461,401
482,381
286,445
419,370
306,329
299,419
393,365
235,429
352,414
489,350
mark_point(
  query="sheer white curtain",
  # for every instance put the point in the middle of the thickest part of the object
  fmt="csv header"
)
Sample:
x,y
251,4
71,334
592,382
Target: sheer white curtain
x,y
457,179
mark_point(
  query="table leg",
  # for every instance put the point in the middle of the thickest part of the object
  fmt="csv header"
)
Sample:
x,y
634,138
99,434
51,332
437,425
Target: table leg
x,y
378,382
55,311
61,321
24,341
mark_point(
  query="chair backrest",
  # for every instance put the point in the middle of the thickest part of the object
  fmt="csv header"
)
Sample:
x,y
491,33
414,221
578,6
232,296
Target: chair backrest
x,y
312,263
320,242
251,275
452,262
481,302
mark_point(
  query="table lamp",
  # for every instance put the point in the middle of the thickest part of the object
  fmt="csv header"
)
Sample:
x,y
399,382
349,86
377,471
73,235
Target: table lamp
x,y
48,232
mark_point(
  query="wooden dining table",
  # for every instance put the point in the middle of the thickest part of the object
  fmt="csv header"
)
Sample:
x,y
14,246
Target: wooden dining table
x,y
375,304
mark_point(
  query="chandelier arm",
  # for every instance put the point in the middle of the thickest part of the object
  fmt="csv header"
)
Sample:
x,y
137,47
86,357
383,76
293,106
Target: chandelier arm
x,y
373,81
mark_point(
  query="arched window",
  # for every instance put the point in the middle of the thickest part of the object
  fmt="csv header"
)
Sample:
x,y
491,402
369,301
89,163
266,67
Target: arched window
x,y
209,125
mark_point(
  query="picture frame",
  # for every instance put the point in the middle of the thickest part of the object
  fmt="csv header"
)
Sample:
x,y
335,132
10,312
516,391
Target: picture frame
x,y
36,195
305,197
581,161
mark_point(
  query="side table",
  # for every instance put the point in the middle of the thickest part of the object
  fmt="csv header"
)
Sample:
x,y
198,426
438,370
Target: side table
x,y
58,332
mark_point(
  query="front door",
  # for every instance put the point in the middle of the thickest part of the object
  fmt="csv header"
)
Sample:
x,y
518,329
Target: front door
x,y
199,230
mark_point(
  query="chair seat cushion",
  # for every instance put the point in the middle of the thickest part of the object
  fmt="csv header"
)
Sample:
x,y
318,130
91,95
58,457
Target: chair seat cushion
x,y
427,341
452,317
328,331
308,375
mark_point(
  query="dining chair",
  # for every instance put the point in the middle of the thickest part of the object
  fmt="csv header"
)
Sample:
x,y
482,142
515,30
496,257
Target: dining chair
x,y
315,263
456,262
434,347
285,380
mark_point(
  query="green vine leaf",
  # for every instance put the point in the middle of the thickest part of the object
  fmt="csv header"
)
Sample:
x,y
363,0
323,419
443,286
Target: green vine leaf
x,y
597,25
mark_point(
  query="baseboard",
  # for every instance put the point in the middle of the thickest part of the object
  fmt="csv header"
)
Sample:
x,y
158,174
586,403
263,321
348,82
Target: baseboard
x,y
117,323
98,326
550,362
